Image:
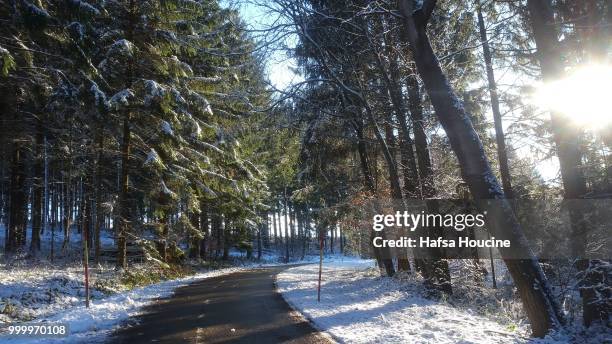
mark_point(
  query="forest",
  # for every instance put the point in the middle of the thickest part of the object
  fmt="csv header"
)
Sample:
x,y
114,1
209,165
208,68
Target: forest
x,y
153,136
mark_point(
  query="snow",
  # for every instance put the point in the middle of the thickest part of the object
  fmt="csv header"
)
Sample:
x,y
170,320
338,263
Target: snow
x,y
95,323
165,190
212,147
208,79
359,306
154,91
166,128
207,190
197,132
85,7
100,97
176,94
123,47
23,298
36,11
153,158
77,29
120,99
201,101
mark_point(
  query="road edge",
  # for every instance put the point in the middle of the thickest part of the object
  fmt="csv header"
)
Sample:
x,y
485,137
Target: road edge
x,y
305,317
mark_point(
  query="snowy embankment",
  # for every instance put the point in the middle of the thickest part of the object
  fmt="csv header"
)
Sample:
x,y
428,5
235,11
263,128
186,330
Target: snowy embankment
x,y
93,324
359,306
44,292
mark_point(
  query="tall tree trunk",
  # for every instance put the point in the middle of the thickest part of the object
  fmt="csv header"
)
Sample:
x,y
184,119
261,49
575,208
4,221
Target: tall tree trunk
x,y
196,238
163,241
260,228
203,228
567,141
502,153
363,157
123,196
289,219
277,219
332,236
37,189
382,255
99,218
286,225
17,215
227,226
218,230
409,168
124,203
274,229
434,267
68,197
538,300
420,137
266,233
391,78
55,216
566,136
85,214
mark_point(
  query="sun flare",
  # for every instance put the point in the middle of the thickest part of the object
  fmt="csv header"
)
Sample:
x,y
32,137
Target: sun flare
x,y
584,95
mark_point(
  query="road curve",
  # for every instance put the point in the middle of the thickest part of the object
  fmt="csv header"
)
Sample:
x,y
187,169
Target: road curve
x,y
241,307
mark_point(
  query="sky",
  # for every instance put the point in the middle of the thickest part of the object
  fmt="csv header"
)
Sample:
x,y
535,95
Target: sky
x,y
280,67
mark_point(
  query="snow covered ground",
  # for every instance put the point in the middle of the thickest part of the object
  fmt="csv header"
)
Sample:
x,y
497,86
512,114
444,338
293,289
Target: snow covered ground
x,y
93,324
32,292
359,306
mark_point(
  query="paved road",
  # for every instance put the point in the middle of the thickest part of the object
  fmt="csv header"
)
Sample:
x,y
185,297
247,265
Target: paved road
x,y
242,307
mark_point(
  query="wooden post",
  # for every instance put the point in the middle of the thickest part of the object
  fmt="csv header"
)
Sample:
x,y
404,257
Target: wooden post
x,y
321,233
86,260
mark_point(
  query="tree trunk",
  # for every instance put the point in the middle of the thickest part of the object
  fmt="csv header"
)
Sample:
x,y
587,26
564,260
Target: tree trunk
x,y
55,215
37,190
123,196
286,226
567,140
363,158
434,268
382,255
391,78
203,228
99,218
532,285
566,136
409,169
502,154
195,244
17,216
227,226
163,241
259,240
274,229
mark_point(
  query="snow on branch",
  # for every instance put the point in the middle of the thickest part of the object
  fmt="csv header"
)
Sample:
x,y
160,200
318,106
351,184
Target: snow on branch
x,y
121,99
167,128
83,7
154,91
122,47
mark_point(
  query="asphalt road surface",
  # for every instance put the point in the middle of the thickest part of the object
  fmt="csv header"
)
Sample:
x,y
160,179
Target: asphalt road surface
x,y
241,307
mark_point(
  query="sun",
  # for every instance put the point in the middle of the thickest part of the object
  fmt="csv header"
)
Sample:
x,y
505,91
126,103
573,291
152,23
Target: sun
x,y
584,95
